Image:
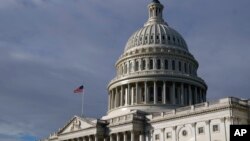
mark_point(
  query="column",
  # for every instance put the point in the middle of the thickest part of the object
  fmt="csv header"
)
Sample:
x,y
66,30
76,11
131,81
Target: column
x,y
105,139
96,138
136,93
132,95
155,93
116,97
195,95
128,67
132,136
194,130
122,93
83,139
141,137
117,137
110,137
121,97
173,94
162,134
200,96
154,63
109,100
128,95
146,92
164,92
174,133
139,64
125,136
190,94
112,99
223,128
90,139
182,94
208,130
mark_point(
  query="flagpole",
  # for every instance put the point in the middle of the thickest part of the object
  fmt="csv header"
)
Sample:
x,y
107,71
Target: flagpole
x,y
82,104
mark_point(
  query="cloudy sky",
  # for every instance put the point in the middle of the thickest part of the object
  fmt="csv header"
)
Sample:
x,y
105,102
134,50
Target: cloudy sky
x,y
49,47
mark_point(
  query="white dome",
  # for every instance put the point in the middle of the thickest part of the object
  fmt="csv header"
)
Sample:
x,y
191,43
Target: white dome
x,y
156,34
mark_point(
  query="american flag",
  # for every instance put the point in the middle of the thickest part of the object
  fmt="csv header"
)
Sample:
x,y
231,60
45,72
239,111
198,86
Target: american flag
x,y
79,89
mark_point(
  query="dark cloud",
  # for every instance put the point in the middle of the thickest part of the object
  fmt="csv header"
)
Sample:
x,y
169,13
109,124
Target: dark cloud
x,y
49,47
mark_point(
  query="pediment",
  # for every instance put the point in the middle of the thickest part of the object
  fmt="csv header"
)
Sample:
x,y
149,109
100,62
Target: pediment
x,y
77,123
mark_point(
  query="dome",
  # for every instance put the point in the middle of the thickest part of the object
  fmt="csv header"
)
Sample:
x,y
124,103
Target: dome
x,y
156,34
156,72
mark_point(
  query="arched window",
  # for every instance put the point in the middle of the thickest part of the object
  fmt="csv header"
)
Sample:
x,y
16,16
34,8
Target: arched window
x,y
180,66
136,65
151,64
125,68
143,64
173,64
185,67
130,66
158,64
166,64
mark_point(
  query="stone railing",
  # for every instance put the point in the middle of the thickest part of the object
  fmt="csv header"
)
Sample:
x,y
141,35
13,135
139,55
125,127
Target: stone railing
x,y
201,106
124,119
156,72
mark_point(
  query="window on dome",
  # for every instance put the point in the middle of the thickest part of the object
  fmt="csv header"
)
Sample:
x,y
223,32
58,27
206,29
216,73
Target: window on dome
x,y
151,37
130,66
163,37
151,64
166,64
169,38
143,64
179,66
158,64
190,69
174,39
173,64
185,67
125,68
136,65
157,37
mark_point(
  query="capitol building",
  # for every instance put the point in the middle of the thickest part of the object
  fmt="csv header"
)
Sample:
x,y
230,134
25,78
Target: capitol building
x,y
157,95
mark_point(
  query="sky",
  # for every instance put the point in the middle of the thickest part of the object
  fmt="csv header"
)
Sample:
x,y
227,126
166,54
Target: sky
x,y
50,47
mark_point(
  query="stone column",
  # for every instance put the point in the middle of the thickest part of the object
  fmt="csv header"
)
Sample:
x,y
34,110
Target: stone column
x,y
110,137
155,93
146,92
139,64
154,63
129,95
112,98
162,134
90,139
132,136
96,138
190,94
132,96
116,97
200,95
174,136
122,94
125,136
173,94
194,130
136,93
126,97
223,126
182,94
164,93
109,100
141,137
195,95
208,130
117,137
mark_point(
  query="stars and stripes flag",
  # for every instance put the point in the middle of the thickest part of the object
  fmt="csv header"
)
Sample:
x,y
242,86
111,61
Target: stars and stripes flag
x,y
80,89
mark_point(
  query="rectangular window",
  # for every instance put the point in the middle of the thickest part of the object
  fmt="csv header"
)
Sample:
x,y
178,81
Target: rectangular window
x,y
216,128
166,64
200,130
180,66
157,137
168,135
158,64
173,65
